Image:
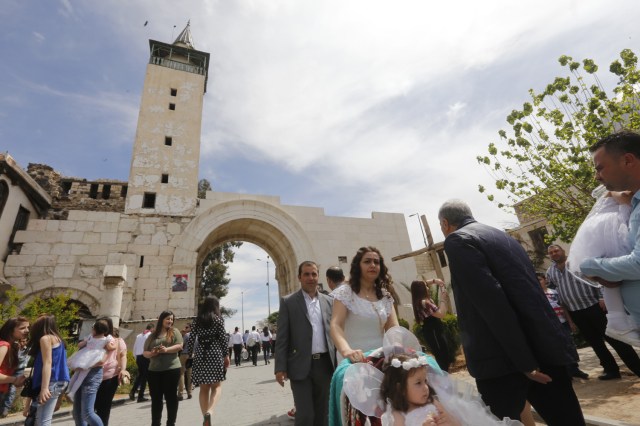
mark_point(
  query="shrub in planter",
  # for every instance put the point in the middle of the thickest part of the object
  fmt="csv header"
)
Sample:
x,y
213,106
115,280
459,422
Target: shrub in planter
x,y
452,334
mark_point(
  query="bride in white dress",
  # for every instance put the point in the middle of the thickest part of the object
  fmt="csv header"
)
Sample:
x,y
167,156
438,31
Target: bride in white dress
x,y
362,311
363,308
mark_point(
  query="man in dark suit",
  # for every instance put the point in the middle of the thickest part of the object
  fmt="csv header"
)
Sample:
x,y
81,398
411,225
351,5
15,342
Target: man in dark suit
x,y
513,341
304,350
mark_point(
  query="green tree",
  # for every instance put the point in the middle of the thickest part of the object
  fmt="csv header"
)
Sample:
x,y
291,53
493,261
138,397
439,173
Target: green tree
x,y
273,318
543,161
10,301
215,278
60,305
203,186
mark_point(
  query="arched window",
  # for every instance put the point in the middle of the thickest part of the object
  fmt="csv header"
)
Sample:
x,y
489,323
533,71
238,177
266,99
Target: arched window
x,y
4,195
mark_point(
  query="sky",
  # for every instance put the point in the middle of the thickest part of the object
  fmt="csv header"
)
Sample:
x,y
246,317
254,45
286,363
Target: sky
x,y
350,105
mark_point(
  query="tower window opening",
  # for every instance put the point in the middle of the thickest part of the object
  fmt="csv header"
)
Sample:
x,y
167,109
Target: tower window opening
x,y
149,200
174,92
165,178
106,191
168,140
141,261
123,191
66,188
93,191
172,107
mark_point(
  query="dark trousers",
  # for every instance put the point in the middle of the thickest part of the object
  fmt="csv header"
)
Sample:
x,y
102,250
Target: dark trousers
x,y
253,351
592,323
434,336
141,379
266,349
104,397
311,395
237,353
164,384
556,402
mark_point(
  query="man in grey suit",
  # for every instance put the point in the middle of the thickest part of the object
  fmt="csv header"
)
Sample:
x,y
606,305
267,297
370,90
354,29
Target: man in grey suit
x,y
304,352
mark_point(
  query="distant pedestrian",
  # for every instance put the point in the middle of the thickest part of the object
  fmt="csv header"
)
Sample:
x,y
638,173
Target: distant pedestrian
x,y
265,338
162,348
236,340
253,345
186,363
210,357
143,365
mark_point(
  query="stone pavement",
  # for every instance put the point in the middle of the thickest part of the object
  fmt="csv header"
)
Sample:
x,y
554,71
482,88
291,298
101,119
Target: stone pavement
x,y
250,396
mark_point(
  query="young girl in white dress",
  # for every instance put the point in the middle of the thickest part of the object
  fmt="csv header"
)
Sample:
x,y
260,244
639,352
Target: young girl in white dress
x,y
91,351
605,233
413,391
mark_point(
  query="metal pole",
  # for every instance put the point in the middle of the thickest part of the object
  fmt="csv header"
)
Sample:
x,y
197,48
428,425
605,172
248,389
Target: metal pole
x,y
242,294
424,237
268,293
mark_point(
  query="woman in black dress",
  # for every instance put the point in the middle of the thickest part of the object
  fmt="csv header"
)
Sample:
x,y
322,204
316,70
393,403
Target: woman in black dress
x,y
427,313
211,356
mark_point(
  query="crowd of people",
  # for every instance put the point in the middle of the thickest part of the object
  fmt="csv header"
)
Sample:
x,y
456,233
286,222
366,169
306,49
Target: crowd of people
x,y
346,358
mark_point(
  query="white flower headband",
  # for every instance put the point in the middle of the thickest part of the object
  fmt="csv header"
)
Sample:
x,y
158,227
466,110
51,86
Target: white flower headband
x,y
410,363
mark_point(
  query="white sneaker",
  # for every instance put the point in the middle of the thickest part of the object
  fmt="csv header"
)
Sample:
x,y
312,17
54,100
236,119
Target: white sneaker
x,y
630,336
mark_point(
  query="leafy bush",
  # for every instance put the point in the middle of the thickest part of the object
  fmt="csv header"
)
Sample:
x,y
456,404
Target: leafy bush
x,y
404,323
132,367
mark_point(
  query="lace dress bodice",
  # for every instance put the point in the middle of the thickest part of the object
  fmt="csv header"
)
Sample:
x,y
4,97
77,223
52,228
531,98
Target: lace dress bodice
x,y
364,325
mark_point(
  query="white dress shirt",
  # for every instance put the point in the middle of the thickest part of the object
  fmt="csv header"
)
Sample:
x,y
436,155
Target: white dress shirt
x,y
318,342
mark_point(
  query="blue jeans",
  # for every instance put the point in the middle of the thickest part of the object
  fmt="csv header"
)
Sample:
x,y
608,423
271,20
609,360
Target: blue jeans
x,y
85,398
45,411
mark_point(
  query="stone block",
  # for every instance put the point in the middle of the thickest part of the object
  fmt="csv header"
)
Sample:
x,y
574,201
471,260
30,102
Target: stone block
x,y
21,260
174,228
61,248
18,282
128,225
72,237
144,250
157,271
166,251
37,225
85,225
53,225
91,238
108,238
66,259
112,217
46,260
36,248
142,239
158,260
143,272
67,225
79,249
93,260
159,239
97,216
98,250
77,215
124,237
89,272
147,228
119,271
102,227
64,271
146,283
151,219
14,271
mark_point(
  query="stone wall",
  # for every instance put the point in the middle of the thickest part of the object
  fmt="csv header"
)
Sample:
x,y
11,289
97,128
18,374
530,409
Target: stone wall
x,y
69,193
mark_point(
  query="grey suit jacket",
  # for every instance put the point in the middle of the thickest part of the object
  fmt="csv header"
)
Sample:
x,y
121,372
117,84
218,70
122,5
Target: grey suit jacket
x,y
293,344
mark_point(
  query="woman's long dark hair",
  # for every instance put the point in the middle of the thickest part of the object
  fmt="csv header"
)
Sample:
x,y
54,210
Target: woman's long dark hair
x,y
160,327
382,282
265,330
45,325
6,334
209,310
419,292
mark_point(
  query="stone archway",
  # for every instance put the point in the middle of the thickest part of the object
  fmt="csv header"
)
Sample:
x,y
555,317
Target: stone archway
x,y
257,222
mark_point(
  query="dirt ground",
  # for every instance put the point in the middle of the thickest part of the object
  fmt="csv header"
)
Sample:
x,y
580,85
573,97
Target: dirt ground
x,y
613,399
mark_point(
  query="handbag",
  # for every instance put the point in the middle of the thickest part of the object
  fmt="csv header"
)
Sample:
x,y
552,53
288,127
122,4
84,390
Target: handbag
x,y
27,388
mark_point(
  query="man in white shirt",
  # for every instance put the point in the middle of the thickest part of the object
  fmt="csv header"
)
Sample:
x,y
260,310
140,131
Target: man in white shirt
x,y
335,277
238,343
253,345
305,353
142,363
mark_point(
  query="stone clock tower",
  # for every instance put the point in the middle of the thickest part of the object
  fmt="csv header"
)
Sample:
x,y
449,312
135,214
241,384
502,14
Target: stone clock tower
x,y
166,152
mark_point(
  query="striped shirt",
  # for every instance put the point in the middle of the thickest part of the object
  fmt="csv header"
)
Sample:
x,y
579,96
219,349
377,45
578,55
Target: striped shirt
x,y
572,292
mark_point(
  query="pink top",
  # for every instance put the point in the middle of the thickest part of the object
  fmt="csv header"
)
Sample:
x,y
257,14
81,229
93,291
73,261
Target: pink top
x,y
110,369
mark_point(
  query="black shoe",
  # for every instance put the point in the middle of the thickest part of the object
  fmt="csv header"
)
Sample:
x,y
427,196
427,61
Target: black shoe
x,y
609,376
143,399
180,398
580,374
132,395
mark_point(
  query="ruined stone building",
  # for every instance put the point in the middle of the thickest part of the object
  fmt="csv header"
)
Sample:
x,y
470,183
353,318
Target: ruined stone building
x,y
133,249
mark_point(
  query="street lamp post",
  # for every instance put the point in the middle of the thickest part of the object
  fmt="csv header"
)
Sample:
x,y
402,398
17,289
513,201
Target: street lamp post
x,y
268,293
424,237
242,295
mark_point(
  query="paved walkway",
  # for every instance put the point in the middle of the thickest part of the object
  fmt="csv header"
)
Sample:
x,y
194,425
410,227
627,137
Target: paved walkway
x,y
250,396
